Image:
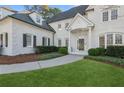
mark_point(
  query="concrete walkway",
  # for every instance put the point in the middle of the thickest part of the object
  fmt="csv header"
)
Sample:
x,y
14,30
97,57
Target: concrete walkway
x,y
4,69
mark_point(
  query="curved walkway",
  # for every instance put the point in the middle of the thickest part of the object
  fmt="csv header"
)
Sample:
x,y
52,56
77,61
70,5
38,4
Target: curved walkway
x,y
4,69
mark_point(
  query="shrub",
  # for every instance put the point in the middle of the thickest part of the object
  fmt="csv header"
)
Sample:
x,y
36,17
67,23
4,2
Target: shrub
x,y
115,51
96,51
114,60
63,50
46,49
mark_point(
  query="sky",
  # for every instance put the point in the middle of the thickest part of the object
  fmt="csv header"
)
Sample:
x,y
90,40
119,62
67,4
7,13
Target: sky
x,y
62,7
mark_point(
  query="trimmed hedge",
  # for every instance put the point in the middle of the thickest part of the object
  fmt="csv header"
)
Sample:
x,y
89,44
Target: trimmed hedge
x,y
63,50
96,51
115,51
114,60
46,49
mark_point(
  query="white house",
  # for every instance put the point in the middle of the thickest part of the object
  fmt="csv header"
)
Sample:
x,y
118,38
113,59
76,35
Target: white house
x,y
80,28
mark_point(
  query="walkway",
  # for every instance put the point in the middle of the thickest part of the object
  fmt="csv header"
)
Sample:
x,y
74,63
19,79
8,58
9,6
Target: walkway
x,y
4,69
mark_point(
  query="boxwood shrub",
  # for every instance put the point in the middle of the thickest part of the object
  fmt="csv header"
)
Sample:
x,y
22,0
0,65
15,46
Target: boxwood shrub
x,y
115,51
46,49
63,50
96,51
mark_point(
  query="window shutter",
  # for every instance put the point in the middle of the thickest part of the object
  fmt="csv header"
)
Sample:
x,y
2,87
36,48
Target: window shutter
x,y
43,41
6,39
34,41
1,40
24,40
48,41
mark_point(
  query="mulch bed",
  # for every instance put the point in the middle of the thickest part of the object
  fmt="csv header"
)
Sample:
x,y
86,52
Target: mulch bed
x,y
18,59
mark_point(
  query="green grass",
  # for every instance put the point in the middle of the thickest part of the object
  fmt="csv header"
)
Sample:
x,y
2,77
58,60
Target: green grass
x,y
50,55
81,73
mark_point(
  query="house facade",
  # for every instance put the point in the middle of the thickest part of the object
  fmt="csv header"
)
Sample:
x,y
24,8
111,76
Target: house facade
x,y
80,28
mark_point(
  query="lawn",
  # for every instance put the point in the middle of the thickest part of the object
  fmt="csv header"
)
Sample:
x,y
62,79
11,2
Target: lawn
x,y
81,73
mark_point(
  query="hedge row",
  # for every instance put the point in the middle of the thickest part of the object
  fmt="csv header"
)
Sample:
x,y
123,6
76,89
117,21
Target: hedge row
x,y
114,51
114,60
96,51
48,49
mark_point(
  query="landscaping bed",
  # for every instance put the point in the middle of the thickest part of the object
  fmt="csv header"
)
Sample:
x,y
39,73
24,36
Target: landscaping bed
x,y
28,58
107,59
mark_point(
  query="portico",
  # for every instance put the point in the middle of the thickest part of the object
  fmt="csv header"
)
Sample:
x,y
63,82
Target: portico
x,y
80,32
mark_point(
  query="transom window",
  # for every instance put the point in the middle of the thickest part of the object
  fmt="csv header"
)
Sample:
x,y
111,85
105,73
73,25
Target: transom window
x,y
114,14
105,16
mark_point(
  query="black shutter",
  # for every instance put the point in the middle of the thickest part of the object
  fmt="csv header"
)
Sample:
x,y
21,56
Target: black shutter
x,y
6,39
1,40
34,41
43,41
48,41
24,40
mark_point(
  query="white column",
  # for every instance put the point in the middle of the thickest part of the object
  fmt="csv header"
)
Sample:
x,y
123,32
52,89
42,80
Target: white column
x,y
105,40
69,45
89,36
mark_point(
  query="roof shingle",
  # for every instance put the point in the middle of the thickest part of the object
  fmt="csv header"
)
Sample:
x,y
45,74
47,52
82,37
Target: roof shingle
x,y
69,13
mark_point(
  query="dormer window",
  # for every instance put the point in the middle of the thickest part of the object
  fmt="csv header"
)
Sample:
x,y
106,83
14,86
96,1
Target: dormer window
x,y
114,14
105,16
38,19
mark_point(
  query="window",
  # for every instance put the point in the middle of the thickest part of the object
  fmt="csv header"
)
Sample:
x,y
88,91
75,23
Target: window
x,y
66,25
105,16
38,19
59,43
48,41
102,41
66,42
59,26
27,40
44,41
114,14
118,39
109,39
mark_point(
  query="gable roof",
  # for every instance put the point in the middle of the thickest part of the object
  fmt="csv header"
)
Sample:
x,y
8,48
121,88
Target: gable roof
x,y
69,13
26,18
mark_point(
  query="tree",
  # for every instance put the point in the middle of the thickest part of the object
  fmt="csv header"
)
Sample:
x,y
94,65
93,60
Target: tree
x,y
44,10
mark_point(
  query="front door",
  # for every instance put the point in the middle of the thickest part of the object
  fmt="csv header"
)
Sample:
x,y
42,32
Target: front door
x,y
80,44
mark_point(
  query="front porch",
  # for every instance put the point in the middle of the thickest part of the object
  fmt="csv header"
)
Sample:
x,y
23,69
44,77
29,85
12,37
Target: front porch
x,y
80,31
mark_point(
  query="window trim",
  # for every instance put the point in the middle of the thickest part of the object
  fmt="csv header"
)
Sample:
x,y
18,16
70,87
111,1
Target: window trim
x,y
59,28
103,16
114,15
26,40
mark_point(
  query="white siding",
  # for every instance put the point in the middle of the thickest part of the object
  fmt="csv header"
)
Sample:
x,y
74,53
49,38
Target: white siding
x,y
62,34
19,28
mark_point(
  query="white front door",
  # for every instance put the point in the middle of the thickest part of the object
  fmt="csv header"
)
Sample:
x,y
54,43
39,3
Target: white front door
x,y
80,44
